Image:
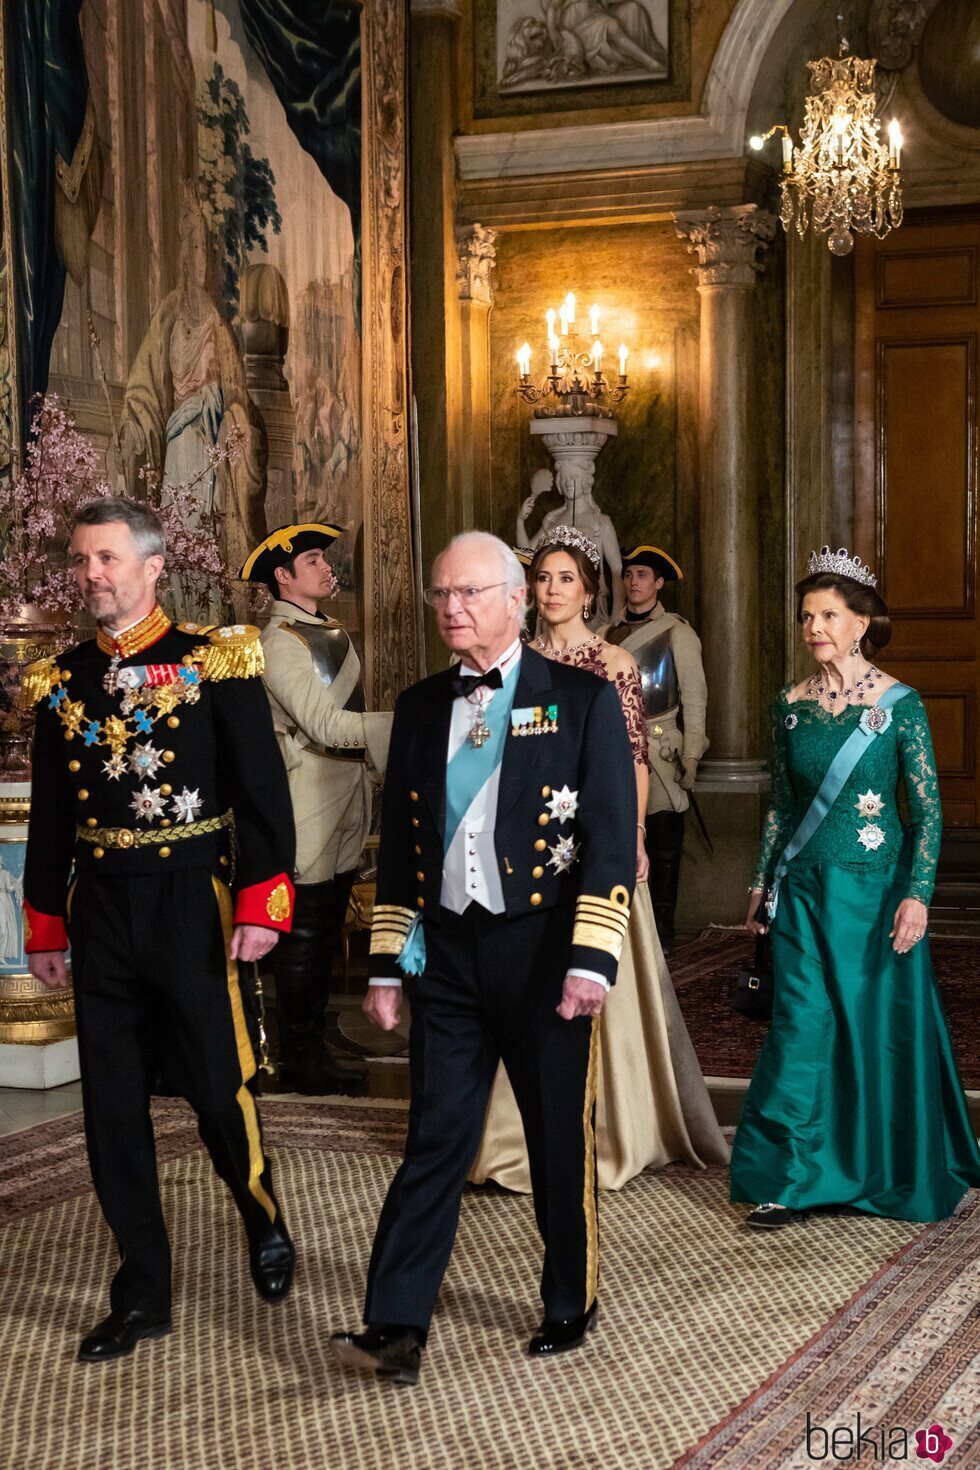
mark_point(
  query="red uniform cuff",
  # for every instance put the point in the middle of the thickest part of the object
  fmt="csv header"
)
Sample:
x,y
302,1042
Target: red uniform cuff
x,y
269,904
43,932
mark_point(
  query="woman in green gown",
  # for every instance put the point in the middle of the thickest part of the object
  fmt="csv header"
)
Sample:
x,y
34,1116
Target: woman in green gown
x,y
855,1104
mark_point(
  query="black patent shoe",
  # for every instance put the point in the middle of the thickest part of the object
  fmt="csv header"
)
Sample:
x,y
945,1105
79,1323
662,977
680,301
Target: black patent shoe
x,y
118,1335
390,1352
775,1217
561,1335
272,1261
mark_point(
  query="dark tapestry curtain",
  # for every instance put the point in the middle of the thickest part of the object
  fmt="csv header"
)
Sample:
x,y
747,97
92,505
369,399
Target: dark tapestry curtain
x,y
47,96
311,50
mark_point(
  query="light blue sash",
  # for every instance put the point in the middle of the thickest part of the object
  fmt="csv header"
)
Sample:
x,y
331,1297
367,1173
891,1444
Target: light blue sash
x,y
838,774
466,774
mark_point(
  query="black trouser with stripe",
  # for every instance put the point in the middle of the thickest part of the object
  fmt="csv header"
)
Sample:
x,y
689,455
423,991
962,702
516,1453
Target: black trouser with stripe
x,y
489,992
155,991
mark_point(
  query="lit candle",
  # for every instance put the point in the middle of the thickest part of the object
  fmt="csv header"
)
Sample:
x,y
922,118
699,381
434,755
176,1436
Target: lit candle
x,y
895,141
570,307
787,153
594,321
549,317
553,349
524,359
563,320
597,351
623,354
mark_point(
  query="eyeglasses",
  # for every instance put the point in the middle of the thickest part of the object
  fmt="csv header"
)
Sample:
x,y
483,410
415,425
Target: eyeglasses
x,y
439,596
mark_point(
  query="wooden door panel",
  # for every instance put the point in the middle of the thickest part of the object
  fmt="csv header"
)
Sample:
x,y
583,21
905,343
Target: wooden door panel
x,y
916,331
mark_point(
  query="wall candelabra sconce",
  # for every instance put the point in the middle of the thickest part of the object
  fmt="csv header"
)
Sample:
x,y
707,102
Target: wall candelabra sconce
x,y
575,385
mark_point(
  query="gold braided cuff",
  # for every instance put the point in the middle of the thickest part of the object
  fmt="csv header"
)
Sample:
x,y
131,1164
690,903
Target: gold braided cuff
x,y
125,837
390,928
601,923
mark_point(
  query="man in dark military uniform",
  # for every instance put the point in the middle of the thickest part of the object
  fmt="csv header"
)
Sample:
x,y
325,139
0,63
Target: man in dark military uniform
x,y
508,824
158,780
675,697
335,754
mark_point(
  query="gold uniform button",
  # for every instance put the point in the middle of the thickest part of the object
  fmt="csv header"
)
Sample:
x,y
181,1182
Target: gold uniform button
x,y
540,845
418,850
165,852
65,675
82,794
98,852
165,822
420,877
168,756
544,819
223,861
546,791
537,872
535,899
173,722
413,796
415,821
91,821
74,765
420,903
165,789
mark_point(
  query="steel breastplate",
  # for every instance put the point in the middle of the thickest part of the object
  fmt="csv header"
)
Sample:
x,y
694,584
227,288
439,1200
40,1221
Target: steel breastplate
x,y
329,648
658,676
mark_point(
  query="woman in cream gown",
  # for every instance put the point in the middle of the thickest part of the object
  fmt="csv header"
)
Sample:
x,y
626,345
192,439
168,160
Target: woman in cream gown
x,y
652,1105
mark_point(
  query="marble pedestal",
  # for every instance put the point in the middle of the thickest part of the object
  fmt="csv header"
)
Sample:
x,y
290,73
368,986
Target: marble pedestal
x,y
50,1064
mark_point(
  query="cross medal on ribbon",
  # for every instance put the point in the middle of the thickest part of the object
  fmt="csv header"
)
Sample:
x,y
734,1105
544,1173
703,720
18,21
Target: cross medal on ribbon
x,y
479,732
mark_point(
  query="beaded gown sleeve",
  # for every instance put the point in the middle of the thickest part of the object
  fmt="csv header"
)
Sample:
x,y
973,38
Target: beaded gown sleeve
x,y
778,827
630,692
918,767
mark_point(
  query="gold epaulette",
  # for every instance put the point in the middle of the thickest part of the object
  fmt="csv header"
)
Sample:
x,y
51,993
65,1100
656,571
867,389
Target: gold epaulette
x,y
231,653
38,680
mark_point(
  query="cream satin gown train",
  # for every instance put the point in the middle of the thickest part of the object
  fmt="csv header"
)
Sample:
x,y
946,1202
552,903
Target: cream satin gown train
x,y
652,1106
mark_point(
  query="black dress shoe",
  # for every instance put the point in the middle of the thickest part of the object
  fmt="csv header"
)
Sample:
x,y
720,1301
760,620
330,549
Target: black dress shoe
x,y
321,1076
560,1335
775,1217
272,1261
391,1352
118,1335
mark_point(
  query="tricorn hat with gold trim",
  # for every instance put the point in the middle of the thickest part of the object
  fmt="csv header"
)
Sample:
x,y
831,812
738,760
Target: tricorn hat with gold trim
x,y
279,547
658,561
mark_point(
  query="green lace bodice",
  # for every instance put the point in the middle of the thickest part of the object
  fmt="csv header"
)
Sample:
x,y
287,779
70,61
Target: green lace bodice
x,y
863,829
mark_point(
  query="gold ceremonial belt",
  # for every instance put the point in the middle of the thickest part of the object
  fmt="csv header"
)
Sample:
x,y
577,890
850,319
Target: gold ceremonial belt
x,y
123,837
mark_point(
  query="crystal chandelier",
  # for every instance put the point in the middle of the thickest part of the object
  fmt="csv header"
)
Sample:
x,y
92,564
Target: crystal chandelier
x,y
841,177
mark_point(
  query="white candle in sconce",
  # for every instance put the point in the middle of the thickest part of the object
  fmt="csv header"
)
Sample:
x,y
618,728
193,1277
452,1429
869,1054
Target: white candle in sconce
x,y
787,153
553,349
623,354
524,359
895,141
563,319
549,317
597,351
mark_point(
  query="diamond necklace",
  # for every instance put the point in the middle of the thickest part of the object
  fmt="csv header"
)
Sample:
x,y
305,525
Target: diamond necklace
x,y
866,683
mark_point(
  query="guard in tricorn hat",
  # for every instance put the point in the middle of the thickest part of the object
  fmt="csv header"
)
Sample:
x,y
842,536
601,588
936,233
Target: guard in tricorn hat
x,y
675,695
334,754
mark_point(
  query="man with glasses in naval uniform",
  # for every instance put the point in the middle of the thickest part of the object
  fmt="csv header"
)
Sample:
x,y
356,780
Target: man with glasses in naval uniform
x,y
506,870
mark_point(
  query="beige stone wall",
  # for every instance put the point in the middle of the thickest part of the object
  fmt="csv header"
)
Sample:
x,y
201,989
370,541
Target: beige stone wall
x,y
639,275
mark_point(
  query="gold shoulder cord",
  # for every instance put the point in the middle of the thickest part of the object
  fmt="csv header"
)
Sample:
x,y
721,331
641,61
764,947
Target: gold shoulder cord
x,y
231,653
38,680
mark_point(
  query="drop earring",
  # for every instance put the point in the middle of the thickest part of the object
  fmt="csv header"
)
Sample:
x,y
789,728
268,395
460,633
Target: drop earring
x,y
587,611
855,648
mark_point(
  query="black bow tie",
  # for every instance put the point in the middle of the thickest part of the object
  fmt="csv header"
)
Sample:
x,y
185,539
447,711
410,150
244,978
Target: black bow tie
x,y
466,683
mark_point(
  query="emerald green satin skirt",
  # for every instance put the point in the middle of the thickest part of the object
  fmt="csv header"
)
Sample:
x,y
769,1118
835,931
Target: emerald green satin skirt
x,y
856,1099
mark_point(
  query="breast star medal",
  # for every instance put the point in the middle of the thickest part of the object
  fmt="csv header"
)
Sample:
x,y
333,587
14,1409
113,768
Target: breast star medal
x,y
563,804
563,854
871,837
870,804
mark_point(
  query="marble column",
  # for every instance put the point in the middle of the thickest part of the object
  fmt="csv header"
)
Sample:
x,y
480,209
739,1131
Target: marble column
x,y
434,66
730,247
477,250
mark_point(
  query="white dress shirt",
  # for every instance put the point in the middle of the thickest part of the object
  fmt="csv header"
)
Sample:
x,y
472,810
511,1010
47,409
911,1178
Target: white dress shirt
x,y
470,873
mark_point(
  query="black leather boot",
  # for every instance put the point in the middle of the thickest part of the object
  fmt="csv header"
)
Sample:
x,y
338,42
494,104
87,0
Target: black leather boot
x,y
665,846
301,963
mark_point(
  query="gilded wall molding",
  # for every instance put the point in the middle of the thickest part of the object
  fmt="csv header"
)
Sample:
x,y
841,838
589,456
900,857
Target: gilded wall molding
x,y
391,624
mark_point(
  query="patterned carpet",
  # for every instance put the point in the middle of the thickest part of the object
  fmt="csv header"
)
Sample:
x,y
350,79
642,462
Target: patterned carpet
x,y
727,1043
713,1345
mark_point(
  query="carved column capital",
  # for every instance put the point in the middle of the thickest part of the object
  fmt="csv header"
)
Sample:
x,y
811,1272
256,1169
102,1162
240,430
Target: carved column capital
x,y
477,248
729,243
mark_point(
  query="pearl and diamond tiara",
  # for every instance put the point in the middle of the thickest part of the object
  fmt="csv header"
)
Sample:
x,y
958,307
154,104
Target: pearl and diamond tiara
x,y
570,536
841,565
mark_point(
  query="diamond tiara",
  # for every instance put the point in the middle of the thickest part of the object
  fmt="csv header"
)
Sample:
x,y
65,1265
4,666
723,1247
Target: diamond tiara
x,y
569,536
841,565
